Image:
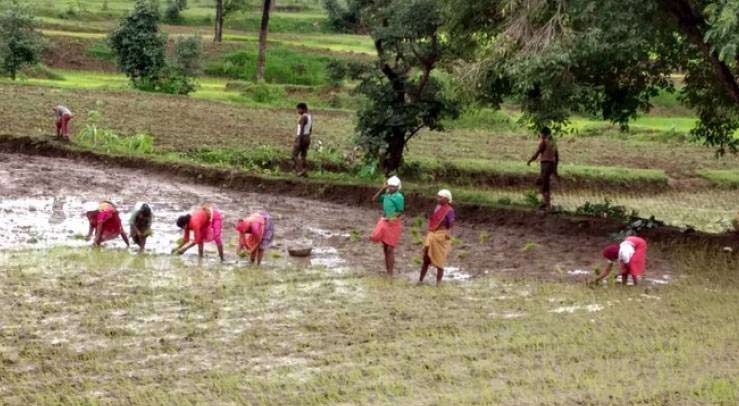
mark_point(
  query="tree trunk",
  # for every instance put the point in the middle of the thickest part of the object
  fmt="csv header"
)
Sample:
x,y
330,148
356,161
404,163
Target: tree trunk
x,y
263,39
218,37
394,155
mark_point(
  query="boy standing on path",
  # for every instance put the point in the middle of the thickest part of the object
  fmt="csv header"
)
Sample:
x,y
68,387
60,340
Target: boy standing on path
x,y
302,140
549,160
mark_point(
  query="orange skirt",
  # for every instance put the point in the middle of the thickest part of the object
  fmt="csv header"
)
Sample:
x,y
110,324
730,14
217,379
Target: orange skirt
x,y
387,232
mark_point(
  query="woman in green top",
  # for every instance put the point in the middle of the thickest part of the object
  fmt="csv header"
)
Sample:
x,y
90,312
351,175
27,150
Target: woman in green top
x,y
390,226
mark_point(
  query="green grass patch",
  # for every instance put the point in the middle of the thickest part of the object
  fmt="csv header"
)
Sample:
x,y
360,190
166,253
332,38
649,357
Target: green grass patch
x,y
101,50
284,65
721,177
455,168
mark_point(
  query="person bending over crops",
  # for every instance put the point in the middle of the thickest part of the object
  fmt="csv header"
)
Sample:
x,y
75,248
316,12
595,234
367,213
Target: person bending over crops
x,y
302,140
439,237
63,117
390,226
140,223
206,224
104,222
255,235
631,256
548,156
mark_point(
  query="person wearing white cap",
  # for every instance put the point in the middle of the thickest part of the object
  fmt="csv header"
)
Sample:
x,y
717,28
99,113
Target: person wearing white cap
x,y
104,222
390,226
438,241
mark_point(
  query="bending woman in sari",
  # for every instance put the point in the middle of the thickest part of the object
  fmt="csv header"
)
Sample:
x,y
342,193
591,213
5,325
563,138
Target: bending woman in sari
x,y
438,239
104,222
140,222
255,235
631,256
390,226
206,224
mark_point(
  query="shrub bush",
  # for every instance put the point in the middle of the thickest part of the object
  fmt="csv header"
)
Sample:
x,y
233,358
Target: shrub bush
x,y
172,14
93,136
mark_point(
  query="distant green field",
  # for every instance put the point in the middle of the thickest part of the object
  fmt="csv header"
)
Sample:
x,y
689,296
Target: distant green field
x,y
290,16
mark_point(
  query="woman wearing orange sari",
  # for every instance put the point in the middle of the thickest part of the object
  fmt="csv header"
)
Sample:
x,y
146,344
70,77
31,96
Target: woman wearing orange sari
x,y
439,239
206,225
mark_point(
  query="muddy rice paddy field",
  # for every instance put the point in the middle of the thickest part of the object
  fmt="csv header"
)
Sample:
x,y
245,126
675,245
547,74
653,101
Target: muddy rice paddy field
x,y
514,324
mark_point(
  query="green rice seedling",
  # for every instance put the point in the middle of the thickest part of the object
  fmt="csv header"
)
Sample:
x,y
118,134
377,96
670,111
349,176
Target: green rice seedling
x,y
529,246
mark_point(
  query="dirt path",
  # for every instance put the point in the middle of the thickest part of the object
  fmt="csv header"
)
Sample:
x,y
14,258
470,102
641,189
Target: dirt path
x,y
42,200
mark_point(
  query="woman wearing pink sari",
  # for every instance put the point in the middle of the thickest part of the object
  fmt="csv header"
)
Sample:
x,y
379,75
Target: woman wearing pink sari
x,y
255,235
631,256
206,224
104,222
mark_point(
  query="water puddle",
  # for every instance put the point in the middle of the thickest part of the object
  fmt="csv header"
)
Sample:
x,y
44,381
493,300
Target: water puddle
x,y
511,315
453,273
591,308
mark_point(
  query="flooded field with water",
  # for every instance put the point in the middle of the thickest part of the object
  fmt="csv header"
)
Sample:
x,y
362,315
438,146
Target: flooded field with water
x,y
513,325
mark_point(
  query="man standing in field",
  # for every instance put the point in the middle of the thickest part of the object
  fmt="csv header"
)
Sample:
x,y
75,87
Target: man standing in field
x,y
549,160
302,140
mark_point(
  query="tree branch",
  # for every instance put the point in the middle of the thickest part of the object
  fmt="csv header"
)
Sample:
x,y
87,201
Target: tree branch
x,y
414,132
693,26
428,65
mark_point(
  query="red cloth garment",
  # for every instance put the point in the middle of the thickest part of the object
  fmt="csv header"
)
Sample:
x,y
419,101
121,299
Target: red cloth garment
x,y
198,225
438,216
206,224
108,217
387,231
62,125
638,262
251,232
611,252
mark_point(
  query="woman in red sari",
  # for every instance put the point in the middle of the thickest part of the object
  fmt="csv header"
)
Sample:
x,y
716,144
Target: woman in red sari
x,y
255,235
206,224
631,256
438,239
104,222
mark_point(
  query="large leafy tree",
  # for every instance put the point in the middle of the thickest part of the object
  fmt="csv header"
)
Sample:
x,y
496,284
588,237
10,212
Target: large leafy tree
x,y
402,94
20,44
607,58
139,45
